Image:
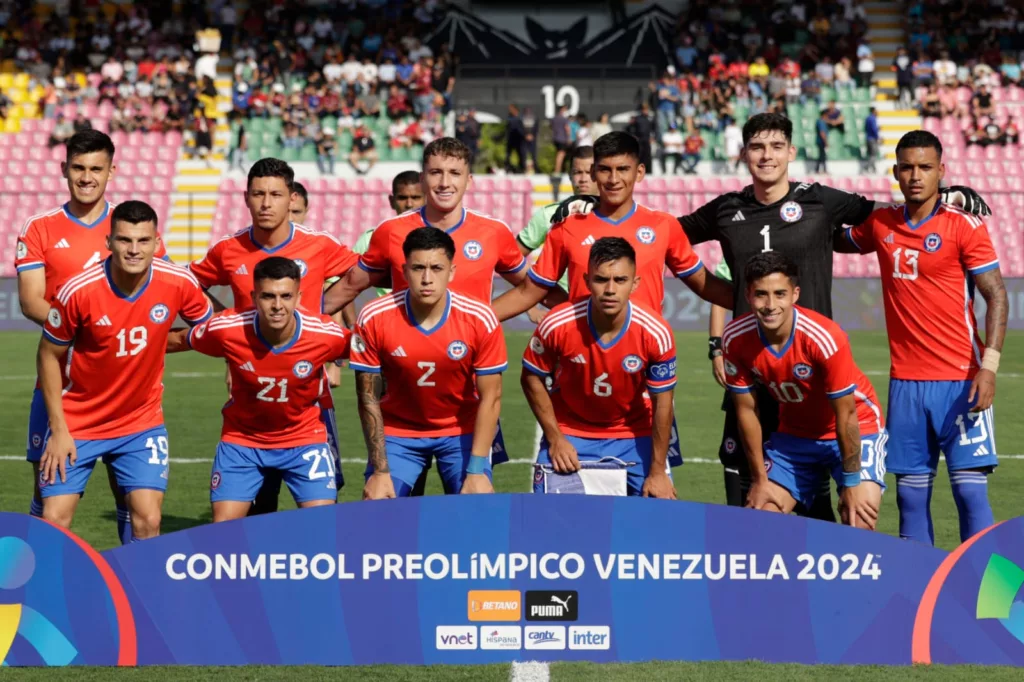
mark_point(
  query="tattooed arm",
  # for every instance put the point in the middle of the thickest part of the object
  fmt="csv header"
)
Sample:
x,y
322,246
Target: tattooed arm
x,y
992,289
860,501
368,389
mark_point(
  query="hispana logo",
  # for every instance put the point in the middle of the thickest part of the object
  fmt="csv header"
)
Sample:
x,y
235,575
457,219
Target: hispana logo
x,y
494,605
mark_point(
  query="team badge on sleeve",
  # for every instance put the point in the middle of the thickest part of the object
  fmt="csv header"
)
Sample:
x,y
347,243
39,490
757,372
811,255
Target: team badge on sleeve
x,y
536,346
53,318
730,445
645,235
215,480
303,268
22,250
472,250
159,313
791,212
730,369
200,330
802,371
302,369
632,363
932,243
457,350
357,344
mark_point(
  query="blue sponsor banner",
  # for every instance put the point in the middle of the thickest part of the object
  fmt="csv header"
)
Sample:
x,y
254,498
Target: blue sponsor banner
x,y
486,579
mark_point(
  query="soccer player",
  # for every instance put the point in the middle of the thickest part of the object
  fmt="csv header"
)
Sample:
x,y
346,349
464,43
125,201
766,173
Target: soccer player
x,y
116,315
932,256
55,246
272,418
231,260
442,354
605,353
828,415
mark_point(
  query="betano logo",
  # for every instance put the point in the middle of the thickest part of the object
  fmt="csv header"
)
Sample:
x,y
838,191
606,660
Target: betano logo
x,y
494,605
996,596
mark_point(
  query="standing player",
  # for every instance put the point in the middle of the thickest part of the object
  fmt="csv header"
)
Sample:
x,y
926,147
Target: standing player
x,y
116,315
442,355
272,419
230,262
931,257
605,353
829,421
52,248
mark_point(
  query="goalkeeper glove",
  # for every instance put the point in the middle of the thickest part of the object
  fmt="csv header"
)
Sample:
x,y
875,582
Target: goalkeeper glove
x,y
577,204
965,198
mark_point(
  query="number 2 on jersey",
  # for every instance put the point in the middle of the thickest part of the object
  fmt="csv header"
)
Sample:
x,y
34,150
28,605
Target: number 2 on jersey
x,y
430,367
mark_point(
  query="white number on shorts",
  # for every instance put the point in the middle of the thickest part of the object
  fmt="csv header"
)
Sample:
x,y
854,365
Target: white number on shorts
x,y
979,423
314,457
137,336
158,446
268,385
911,255
430,367
787,392
602,388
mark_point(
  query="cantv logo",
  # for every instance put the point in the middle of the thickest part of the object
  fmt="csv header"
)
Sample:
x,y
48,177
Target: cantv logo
x,y
545,636
456,637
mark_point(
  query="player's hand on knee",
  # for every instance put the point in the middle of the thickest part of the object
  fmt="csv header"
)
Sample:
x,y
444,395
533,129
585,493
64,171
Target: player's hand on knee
x,y
659,485
718,369
860,505
983,390
766,496
60,449
379,487
477,484
563,457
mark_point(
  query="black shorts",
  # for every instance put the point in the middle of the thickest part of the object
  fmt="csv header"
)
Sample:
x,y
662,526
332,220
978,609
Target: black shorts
x,y
731,452
563,146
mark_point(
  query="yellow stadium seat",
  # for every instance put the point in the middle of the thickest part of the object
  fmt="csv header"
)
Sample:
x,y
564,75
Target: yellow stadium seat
x,y
17,95
80,79
29,109
15,112
21,80
12,125
6,80
37,93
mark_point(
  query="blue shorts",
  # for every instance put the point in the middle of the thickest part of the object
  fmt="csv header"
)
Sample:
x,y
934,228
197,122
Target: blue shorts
x,y
630,450
928,416
139,462
331,426
38,423
409,457
238,472
799,464
675,451
499,455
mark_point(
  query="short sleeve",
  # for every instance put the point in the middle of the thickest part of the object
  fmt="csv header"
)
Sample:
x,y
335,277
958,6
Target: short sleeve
x,y
207,341
661,361
510,258
491,355
63,319
681,259
976,251
540,356
840,370
553,260
702,225
338,341
862,236
339,259
376,257
364,352
738,377
195,306
30,253
536,231
208,269
845,208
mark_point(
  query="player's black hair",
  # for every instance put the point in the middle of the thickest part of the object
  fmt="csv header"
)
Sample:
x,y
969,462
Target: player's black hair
x,y
276,267
428,239
447,147
88,142
616,143
919,139
584,152
300,189
765,123
608,249
271,168
769,263
133,212
404,178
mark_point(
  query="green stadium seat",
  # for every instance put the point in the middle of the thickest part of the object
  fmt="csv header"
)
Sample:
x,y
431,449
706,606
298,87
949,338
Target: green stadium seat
x,y
273,124
844,95
827,94
289,154
308,153
329,122
255,125
862,95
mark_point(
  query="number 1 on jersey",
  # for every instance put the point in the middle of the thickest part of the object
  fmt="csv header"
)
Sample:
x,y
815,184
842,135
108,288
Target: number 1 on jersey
x,y
767,238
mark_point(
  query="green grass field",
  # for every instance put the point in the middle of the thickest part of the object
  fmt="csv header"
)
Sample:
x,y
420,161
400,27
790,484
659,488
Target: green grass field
x,y
195,392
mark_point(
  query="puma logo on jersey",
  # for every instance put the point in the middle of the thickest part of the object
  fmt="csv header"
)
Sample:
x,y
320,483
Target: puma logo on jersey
x,y
399,353
103,322
738,217
242,270
247,366
62,244
589,240
579,359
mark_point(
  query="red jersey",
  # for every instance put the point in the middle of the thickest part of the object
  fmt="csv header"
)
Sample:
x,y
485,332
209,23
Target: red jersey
x,y
656,236
116,366
926,285
600,391
232,259
814,367
483,246
275,392
430,374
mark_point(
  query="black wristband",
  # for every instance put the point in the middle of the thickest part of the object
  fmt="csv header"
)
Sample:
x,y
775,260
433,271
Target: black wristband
x,y
714,347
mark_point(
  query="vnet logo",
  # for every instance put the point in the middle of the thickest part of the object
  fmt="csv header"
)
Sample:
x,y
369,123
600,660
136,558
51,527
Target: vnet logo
x,y
545,636
590,637
456,637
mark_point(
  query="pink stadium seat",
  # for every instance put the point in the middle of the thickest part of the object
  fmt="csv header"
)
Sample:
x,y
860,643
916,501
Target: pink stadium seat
x,y
153,140
57,154
974,152
163,169
30,183
119,138
105,109
70,110
128,153
167,153
173,139
39,139
141,183
144,168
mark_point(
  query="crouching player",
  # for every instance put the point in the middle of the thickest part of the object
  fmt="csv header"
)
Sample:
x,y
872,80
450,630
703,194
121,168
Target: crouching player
x,y
272,419
607,355
442,355
803,358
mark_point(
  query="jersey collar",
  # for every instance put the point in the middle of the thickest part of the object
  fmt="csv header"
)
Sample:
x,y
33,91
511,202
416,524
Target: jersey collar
x,y
67,213
622,332
620,220
291,233
444,317
120,294
912,225
423,217
270,346
789,341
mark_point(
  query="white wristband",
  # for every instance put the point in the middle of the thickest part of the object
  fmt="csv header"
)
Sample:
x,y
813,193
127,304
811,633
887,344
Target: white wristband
x,y
990,360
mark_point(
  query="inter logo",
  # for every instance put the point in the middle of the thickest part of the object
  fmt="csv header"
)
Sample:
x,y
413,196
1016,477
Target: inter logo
x,y
159,313
791,212
932,243
303,268
546,605
472,250
457,350
802,371
302,369
632,363
645,235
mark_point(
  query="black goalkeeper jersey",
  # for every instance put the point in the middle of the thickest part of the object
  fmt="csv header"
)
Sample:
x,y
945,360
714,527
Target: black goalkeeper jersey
x,y
802,225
